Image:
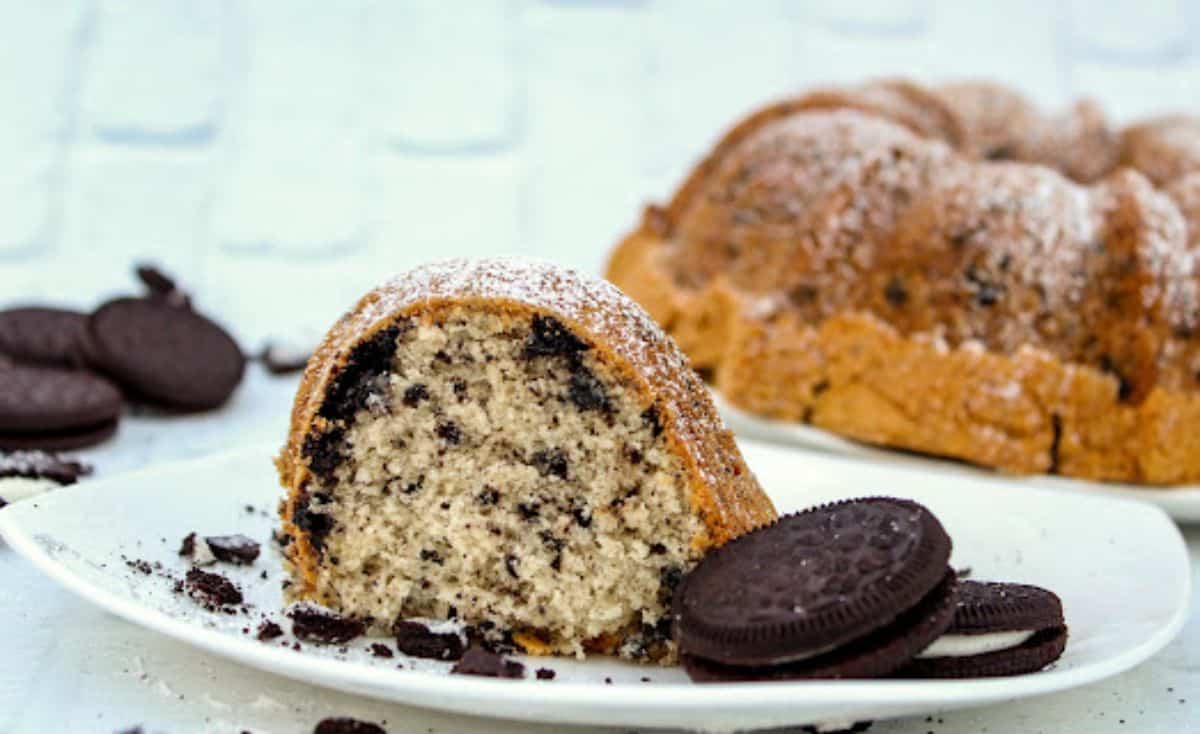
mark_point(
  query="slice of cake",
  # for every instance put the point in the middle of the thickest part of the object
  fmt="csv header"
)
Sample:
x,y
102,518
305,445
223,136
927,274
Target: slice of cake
x,y
512,445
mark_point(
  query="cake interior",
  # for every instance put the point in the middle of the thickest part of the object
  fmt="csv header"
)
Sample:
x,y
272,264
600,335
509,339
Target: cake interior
x,y
493,468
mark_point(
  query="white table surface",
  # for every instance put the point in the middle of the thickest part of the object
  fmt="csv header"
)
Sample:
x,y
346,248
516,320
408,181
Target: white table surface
x,y
70,667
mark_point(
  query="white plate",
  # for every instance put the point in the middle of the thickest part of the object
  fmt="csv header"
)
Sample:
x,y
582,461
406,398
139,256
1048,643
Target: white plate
x,y
1120,567
1181,503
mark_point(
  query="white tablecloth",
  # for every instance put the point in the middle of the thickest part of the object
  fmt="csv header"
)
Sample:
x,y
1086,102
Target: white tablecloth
x,y
66,666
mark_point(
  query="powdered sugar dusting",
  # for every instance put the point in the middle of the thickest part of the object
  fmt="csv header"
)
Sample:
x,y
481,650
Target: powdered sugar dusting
x,y
544,286
835,181
823,210
599,306
1185,192
1165,149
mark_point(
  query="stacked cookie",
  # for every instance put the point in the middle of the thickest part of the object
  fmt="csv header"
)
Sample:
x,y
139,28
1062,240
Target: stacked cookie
x,y
856,589
65,375
54,408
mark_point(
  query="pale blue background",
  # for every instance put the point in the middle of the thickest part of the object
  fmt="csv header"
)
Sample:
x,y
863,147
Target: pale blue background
x,y
283,155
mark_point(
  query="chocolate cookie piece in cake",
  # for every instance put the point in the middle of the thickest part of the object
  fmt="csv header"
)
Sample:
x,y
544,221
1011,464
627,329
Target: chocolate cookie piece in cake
x,y
513,445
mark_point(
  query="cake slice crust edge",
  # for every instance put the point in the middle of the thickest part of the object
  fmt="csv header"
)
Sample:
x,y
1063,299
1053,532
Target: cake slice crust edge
x,y
722,492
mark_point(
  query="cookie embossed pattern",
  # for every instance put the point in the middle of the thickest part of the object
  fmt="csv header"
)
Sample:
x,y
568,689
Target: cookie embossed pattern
x,y
849,590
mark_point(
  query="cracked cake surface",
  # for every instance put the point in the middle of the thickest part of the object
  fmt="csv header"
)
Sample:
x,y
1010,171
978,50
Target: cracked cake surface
x,y
514,446
946,270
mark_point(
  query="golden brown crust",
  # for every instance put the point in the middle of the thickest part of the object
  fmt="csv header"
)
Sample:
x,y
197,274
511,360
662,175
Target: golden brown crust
x,y
1001,124
827,265
899,101
1022,413
725,493
1164,149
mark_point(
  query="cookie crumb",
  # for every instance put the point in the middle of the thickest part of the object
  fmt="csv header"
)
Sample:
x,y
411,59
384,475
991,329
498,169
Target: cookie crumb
x,y
212,589
315,624
236,549
187,546
417,640
347,725
477,661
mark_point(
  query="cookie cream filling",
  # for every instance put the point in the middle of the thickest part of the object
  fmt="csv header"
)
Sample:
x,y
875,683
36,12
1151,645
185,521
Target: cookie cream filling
x,y
961,646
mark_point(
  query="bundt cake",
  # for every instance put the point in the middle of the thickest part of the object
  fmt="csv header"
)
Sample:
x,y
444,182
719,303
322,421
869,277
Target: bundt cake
x,y
947,271
514,446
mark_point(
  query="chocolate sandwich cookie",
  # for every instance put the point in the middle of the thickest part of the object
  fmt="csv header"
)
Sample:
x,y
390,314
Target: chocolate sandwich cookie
x,y
814,582
42,399
165,354
64,440
998,629
46,336
55,409
873,656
